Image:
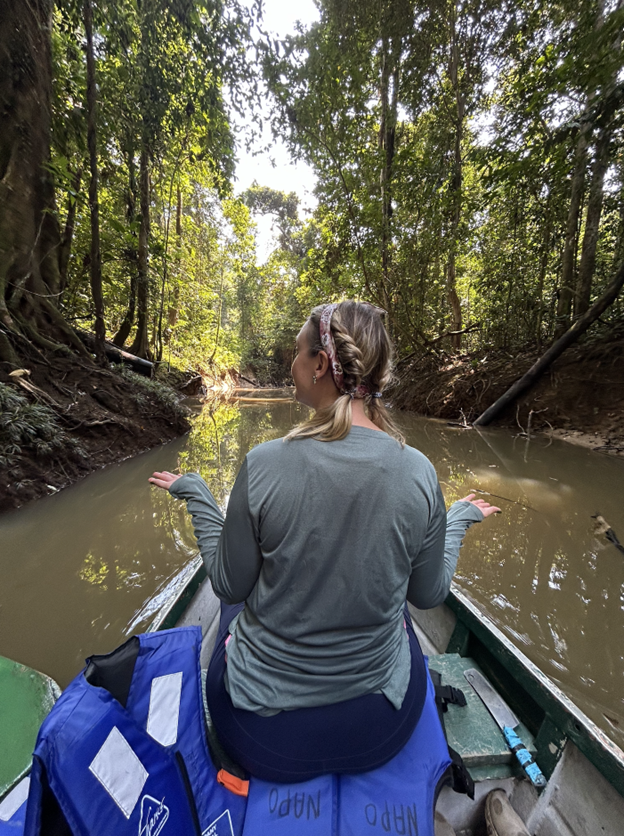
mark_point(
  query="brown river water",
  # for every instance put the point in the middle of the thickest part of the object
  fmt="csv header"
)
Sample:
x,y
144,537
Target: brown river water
x,y
85,568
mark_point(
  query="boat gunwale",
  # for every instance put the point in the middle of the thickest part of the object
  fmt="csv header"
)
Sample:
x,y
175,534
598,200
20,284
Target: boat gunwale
x,y
170,613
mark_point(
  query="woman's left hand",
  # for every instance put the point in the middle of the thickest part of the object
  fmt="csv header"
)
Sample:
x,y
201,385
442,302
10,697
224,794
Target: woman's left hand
x,y
486,509
163,479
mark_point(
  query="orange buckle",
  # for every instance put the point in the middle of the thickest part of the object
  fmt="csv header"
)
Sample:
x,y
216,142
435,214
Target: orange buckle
x,y
232,783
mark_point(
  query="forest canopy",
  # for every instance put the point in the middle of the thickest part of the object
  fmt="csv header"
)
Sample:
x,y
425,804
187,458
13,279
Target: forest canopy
x,y
469,161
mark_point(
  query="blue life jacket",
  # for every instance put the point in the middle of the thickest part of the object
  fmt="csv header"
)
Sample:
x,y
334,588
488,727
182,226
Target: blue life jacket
x,y
124,751
124,748
397,798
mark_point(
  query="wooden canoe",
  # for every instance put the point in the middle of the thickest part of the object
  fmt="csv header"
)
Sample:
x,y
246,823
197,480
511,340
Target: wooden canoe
x,y
585,769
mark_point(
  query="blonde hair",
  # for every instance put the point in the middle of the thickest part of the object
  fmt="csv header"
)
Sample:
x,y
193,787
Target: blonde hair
x,y
365,352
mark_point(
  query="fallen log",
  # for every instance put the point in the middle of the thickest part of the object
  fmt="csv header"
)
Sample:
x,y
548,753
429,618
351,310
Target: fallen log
x,y
118,355
556,350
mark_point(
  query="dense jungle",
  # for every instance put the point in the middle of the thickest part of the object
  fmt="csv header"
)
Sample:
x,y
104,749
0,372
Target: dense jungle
x,y
469,165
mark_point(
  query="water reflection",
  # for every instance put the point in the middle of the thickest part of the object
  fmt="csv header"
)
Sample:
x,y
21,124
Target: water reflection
x,y
223,434
82,569
76,565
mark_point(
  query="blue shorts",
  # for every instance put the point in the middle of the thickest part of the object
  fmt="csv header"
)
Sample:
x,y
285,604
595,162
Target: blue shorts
x,y
356,735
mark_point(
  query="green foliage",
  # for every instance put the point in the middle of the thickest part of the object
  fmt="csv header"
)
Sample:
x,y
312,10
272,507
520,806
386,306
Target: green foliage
x,y
445,140
146,390
445,137
160,68
266,201
26,427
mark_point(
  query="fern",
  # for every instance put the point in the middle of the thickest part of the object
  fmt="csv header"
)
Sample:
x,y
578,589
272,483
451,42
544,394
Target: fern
x,y
25,426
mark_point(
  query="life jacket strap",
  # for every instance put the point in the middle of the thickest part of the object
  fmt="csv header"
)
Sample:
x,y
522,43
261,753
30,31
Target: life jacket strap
x,y
461,780
448,695
457,775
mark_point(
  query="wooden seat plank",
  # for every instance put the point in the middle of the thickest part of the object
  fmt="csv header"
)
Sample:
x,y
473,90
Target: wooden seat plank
x,y
471,730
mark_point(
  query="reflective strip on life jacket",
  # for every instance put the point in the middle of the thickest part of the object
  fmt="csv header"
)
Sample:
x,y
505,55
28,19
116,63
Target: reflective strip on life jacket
x,y
13,809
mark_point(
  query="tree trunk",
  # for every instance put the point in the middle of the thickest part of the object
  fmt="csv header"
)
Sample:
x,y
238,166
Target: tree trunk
x,y
140,346
556,350
95,255
542,273
126,326
29,230
566,289
131,254
219,316
387,138
456,192
116,355
172,312
619,247
68,233
512,272
25,80
592,225
158,339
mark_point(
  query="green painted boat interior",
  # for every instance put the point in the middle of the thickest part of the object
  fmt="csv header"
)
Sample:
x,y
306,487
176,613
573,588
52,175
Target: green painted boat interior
x,y
26,697
546,713
471,729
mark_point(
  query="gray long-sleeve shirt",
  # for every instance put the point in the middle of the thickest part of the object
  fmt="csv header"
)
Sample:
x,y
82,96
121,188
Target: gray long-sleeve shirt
x,y
325,541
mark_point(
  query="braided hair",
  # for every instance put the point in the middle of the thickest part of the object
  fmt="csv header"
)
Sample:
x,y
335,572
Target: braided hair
x,y
364,351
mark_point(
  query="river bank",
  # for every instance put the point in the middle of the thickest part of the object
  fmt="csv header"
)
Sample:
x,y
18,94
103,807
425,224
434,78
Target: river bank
x,y
579,399
64,418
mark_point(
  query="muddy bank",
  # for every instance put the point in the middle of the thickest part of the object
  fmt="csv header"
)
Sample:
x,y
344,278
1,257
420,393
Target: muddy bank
x,y
580,398
63,419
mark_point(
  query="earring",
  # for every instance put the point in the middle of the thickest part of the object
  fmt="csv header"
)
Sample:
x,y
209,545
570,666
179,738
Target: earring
x,y
313,378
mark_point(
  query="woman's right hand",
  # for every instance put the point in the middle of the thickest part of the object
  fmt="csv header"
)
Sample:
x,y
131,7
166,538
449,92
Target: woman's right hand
x,y
163,479
486,509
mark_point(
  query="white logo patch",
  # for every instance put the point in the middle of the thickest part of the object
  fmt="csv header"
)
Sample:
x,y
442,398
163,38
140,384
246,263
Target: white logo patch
x,y
121,773
221,826
164,708
154,814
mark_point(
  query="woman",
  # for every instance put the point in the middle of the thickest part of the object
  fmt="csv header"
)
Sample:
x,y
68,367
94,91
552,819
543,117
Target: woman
x,y
328,532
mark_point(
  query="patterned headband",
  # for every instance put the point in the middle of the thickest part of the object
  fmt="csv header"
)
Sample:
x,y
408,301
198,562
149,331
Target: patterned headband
x,y
327,341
